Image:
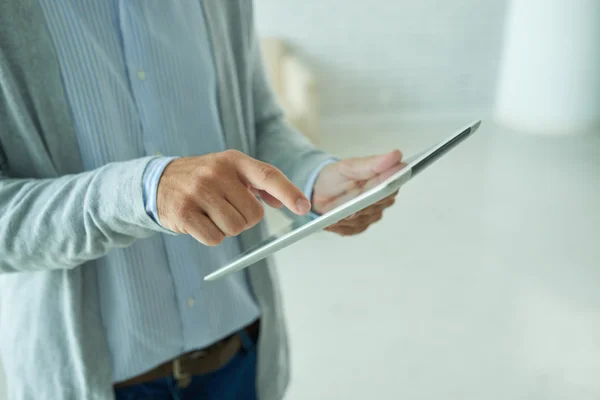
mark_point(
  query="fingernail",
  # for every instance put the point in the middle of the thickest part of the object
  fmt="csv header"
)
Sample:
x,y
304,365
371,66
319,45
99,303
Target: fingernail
x,y
303,206
352,216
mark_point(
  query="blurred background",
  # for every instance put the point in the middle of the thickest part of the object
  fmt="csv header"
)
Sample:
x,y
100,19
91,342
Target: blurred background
x,y
379,56
483,281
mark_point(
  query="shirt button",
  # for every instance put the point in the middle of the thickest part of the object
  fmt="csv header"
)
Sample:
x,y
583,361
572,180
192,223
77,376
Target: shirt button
x,y
141,75
158,154
191,302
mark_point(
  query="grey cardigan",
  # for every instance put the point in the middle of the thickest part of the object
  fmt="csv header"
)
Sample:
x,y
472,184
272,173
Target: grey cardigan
x,y
56,219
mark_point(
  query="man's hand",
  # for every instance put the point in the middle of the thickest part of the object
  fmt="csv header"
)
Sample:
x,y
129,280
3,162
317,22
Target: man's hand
x,y
344,180
214,196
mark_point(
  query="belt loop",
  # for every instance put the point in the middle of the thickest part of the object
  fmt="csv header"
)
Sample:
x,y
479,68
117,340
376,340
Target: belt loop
x,y
247,342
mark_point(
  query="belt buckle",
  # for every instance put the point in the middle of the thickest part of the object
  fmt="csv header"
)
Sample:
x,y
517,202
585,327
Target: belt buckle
x,y
183,379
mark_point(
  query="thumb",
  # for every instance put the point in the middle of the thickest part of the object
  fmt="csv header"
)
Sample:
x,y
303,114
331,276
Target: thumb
x,y
367,167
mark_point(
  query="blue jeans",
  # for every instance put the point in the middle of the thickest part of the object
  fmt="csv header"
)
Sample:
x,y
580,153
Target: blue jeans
x,y
234,381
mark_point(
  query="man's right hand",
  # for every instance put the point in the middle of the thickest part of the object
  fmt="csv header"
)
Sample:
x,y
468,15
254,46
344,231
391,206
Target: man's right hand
x,y
214,196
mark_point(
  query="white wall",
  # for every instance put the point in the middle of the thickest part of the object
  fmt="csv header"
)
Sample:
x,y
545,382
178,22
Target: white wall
x,y
382,56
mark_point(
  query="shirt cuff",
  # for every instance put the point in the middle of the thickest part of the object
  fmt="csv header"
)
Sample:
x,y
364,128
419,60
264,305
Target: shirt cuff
x,y
310,184
151,178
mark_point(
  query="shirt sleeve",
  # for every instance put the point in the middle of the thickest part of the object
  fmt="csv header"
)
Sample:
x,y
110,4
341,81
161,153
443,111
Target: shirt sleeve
x,y
310,184
151,179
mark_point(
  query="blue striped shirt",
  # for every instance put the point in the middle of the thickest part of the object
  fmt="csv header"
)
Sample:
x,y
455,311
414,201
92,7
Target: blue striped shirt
x,y
140,80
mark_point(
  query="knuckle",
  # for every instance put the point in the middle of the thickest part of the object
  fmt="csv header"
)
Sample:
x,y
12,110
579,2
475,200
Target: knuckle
x,y
257,213
183,211
213,240
213,174
230,155
363,219
266,172
218,166
235,225
212,236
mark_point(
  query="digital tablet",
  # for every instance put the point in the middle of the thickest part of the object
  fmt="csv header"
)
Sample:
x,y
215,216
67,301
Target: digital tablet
x,y
300,230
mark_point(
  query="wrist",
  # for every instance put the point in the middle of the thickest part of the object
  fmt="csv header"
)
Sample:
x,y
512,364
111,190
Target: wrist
x,y
312,180
151,179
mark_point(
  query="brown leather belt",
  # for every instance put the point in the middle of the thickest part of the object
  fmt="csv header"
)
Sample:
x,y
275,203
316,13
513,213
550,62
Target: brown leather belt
x,y
197,362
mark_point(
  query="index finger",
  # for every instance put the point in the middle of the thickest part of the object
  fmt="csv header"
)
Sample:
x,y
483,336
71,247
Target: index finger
x,y
263,176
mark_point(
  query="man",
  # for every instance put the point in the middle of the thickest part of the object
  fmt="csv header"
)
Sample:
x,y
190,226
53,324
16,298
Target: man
x,y
135,137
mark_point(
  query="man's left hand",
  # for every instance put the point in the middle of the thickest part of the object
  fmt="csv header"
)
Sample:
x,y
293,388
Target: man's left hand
x,y
342,181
